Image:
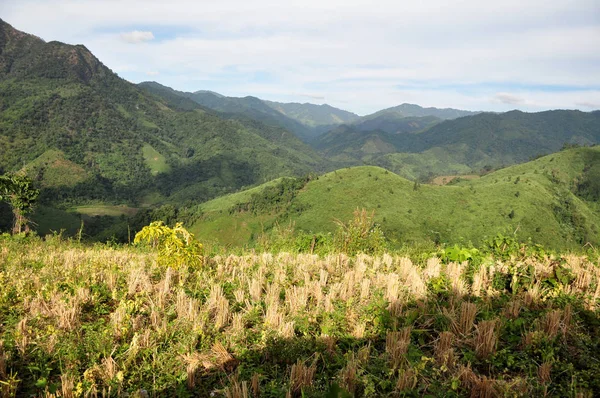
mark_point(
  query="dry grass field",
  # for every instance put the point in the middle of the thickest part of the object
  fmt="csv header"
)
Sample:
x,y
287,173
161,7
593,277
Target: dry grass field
x,y
95,321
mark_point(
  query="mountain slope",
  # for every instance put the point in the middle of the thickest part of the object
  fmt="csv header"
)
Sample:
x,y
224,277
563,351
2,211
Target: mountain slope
x,y
395,124
544,199
305,120
412,110
314,115
463,145
233,107
62,110
515,136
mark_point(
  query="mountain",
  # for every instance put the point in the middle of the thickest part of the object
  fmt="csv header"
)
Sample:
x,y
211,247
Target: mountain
x,y
349,143
461,145
362,140
87,135
553,200
514,136
412,110
305,120
395,124
233,107
314,115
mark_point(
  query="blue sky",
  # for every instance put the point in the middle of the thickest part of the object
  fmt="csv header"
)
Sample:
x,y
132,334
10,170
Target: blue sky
x,y
354,54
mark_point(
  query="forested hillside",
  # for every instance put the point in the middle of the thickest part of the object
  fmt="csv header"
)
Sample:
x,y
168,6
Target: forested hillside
x,y
84,134
463,145
307,121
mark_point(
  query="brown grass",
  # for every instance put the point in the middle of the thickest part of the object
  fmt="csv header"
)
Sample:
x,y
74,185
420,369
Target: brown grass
x,y
407,380
466,319
396,345
444,353
301,376
544,371
237,389
443,180
486,338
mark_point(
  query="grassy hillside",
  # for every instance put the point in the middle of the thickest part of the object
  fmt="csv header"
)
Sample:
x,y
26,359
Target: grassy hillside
x,y
541,199
87,135
120,323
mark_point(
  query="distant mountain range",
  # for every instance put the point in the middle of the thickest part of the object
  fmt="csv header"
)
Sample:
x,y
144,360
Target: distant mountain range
x,y
410,140
304,120
412,110
309,121
420,147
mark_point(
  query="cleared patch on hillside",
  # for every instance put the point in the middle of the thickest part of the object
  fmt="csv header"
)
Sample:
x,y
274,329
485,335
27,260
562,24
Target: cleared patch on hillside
x,y
104,210
48,220
53,170
154,160
443,180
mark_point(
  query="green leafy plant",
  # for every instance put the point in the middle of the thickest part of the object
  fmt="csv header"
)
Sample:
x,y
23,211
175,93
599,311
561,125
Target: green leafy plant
x,y
360,234
20,194
456,253
176,246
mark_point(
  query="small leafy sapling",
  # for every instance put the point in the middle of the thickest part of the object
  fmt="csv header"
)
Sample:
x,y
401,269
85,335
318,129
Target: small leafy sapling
x,y
19,193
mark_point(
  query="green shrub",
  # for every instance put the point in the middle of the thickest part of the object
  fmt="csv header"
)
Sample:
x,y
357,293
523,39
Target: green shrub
x,y
360,234
176,246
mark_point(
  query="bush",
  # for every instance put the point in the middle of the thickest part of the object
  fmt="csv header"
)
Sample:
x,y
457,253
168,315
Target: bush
x,y
360,234
176,246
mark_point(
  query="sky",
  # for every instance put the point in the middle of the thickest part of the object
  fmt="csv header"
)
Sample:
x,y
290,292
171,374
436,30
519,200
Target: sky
x,y
358,55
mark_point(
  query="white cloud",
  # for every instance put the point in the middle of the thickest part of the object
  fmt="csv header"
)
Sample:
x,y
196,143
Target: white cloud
x,y
152,73
136,36
507,98
352,52
590,105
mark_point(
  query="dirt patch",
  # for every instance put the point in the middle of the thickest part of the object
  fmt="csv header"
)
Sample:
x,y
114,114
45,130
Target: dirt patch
x,y
443,180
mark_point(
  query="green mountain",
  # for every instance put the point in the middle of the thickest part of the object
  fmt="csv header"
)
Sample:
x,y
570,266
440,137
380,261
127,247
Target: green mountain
x,y
514,136
412,110
87,135
234,108
396,124
370,138
463,145
349,143
553,200
314,115
305,120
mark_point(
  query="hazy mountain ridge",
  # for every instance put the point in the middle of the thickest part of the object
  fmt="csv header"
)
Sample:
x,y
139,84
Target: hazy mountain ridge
x,y
305,120
412,110
395,124
232,107
314,115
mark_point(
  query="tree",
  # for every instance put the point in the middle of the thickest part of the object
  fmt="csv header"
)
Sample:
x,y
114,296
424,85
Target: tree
x,y
19,193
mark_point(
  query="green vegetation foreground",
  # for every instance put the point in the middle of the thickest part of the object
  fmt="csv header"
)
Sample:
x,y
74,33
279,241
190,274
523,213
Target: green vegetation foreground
x,y
103,321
